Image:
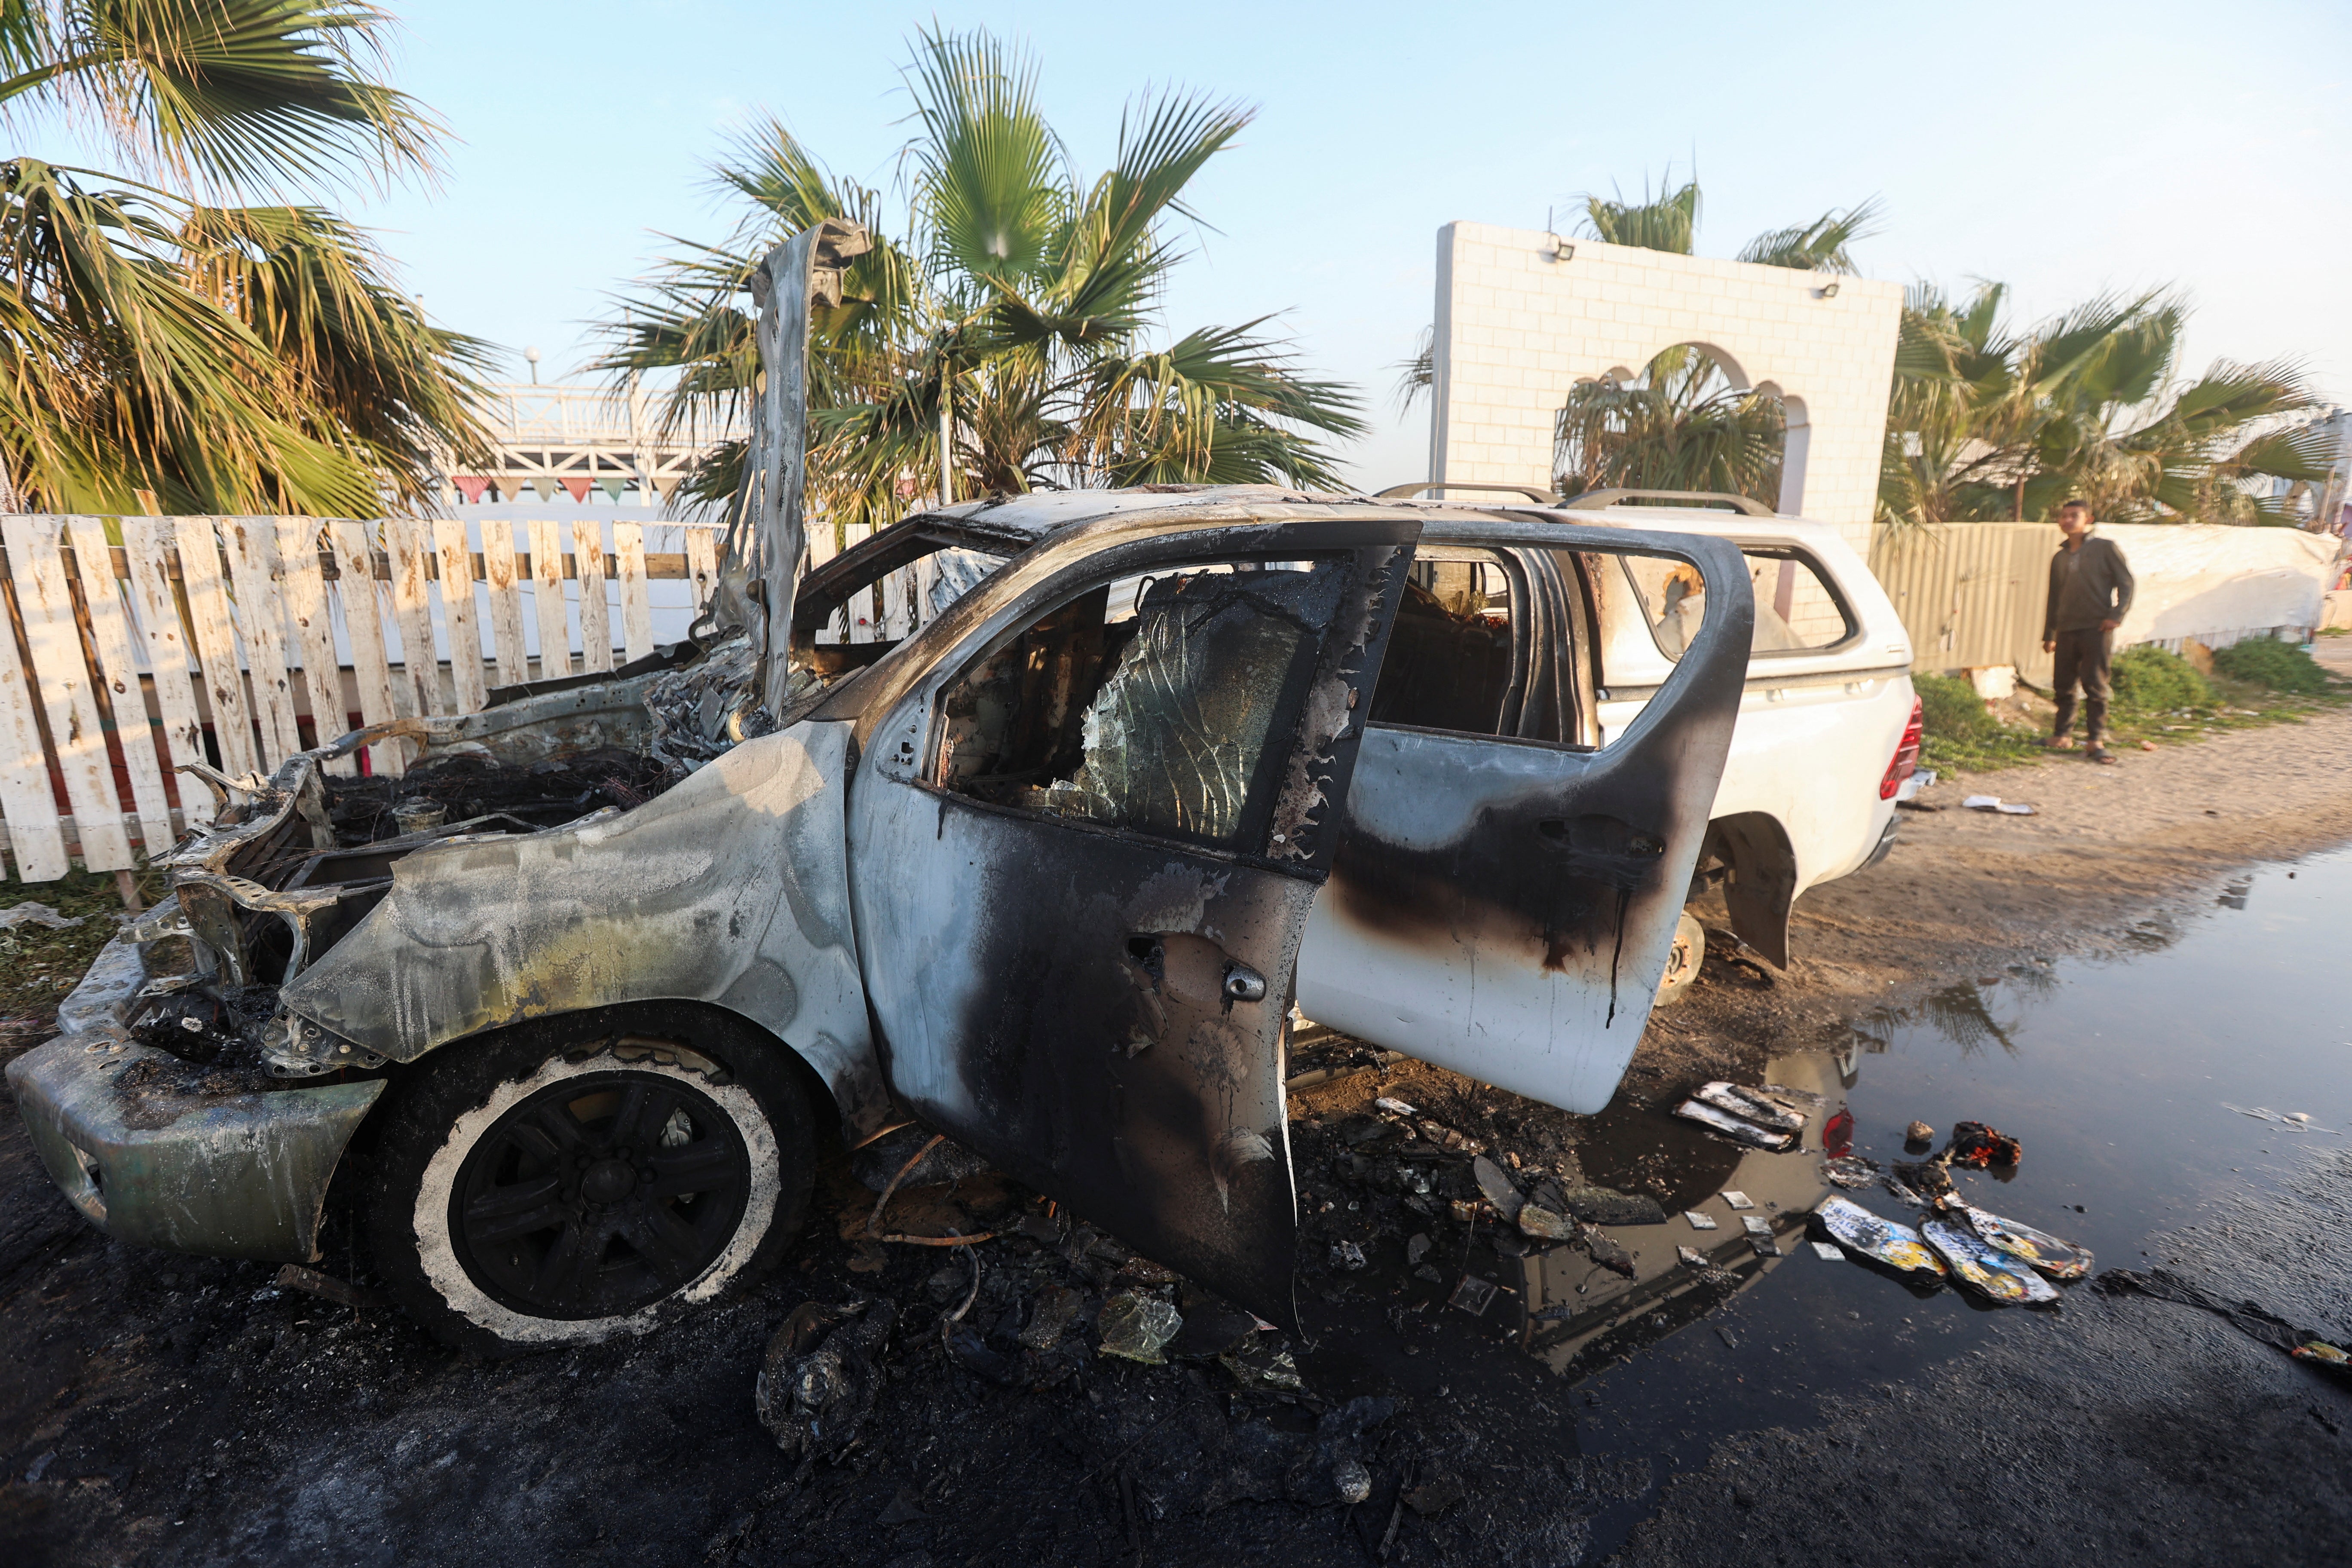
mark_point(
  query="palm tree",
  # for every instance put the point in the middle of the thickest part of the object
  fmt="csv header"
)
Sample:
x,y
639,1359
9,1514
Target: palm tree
x,y
1989,424
193,334
1005,341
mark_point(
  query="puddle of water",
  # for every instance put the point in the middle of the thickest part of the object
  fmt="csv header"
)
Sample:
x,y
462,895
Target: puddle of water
x,y
2117,1077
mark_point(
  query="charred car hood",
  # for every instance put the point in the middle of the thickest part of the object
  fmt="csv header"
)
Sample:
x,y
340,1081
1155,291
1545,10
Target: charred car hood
x,y
729,890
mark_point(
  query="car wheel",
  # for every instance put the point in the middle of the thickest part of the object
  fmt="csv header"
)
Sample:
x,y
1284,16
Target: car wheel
x,y
557,1185
1683,960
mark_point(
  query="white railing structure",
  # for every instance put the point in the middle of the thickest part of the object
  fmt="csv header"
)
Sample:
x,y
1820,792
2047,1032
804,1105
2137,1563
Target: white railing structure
x,y
136,645
548,440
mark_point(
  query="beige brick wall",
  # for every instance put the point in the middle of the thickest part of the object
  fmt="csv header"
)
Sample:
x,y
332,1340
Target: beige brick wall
x,y
1516,328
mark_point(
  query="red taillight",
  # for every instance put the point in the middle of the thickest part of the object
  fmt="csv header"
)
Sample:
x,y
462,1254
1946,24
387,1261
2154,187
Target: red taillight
x,y
1906,756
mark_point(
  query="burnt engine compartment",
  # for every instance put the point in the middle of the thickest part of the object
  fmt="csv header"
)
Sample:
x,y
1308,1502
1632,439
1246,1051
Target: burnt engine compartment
x,y
476,787
216,1017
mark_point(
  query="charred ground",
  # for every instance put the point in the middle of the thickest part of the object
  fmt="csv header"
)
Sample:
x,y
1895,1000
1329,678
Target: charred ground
x,y
167,1409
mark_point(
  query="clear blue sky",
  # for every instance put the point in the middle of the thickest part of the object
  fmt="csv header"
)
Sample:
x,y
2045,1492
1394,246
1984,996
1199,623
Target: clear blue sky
x,y
2064,148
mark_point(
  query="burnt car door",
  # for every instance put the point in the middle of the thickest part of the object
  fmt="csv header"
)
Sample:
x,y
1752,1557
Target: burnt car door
x,y
1084,834
1505,895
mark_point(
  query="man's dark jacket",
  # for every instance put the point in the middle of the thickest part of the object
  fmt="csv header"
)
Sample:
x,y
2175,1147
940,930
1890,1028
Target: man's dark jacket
x,y
2088,583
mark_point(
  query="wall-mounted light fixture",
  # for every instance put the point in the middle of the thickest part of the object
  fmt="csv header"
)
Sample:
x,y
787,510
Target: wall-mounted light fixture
x,y
1562,250
1826,292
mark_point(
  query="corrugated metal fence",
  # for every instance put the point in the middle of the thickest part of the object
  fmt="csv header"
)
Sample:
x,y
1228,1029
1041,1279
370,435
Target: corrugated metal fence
x,y
139,645
1970,595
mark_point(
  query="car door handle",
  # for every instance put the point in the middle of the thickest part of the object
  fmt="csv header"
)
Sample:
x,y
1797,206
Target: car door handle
x,y
1243,983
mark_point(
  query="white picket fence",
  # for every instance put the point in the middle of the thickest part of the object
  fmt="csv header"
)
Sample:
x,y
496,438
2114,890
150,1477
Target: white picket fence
x,y
123,659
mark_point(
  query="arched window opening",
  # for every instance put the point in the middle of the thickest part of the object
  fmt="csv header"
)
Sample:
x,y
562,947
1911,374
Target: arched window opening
x,y
1688,422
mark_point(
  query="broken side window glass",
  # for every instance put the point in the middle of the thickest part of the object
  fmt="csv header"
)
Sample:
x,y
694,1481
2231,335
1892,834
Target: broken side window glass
x,y
1147,704
1796,610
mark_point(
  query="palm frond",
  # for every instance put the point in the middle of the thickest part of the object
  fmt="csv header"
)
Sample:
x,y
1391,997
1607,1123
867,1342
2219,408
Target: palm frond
x,y
1821,246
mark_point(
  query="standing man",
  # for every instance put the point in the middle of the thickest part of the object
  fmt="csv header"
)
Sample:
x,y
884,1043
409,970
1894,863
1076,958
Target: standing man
x,y
2090,594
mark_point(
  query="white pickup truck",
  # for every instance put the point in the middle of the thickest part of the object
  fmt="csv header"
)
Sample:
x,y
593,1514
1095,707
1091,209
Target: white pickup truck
x,y
1829,728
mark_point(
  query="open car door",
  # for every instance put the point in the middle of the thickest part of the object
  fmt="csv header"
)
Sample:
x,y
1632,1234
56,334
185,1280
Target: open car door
x,y
1503,905
1095,803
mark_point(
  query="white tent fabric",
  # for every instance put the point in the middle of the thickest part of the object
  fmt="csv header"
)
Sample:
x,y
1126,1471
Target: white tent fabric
x,y
2219,584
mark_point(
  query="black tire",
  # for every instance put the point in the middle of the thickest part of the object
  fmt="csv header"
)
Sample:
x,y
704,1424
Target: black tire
x,y
574,1178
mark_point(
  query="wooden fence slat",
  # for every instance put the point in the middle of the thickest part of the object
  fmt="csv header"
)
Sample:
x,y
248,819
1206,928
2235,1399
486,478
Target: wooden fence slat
x,y
701,567
169,664
261,617
926,577
636,608
35,836
547,600
458,615
596,622
506,602
823,546
859,610
363,622
63,678
118,672
418,691
215,642
897,604
314,634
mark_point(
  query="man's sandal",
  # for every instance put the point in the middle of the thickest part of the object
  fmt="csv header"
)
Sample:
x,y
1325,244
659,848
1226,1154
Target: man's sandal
x,y
2059,743
2101,754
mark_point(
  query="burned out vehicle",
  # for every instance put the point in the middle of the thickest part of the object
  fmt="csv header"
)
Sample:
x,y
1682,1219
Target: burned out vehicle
x,y
1043,876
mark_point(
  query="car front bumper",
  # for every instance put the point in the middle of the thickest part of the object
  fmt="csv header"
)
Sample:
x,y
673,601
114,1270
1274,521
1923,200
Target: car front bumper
x,y
153,1151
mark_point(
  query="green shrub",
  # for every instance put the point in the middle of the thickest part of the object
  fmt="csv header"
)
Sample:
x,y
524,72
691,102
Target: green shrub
x,y
2152,681
2263,662
1951,710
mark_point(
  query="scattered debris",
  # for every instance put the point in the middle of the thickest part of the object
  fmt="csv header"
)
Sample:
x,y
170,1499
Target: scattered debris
x,y
1830,1251
1837,1134
2303,1345
1416,1248
819,1380
1999,1274
1260,1366
2059,1259
1137,1326
1498,1188
1604,1251
1395,1107
1737,1200
294,1277
1692,1257
1473,1295
1897,1246
17,915
2293,1121
1434,1495
1606,1206
1760,1235
1924,1182
1545,1225
1850,1171
1977,1146
1994,803
1918,1134
1700,1221
1909,789
1733,1127
1320,1469
1753,1105
1051,1316
1347,1256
